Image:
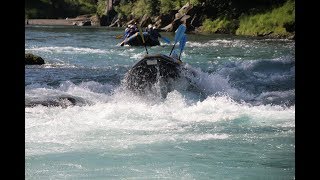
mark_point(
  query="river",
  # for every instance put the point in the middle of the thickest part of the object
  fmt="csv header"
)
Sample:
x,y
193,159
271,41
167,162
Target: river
x,y
235,121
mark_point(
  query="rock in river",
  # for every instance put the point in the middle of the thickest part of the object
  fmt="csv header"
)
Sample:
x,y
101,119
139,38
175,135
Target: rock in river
x,y
31,59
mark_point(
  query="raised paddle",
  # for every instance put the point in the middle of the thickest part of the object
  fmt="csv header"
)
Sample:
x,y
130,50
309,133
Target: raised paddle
x,y
142,37
182,43
180,31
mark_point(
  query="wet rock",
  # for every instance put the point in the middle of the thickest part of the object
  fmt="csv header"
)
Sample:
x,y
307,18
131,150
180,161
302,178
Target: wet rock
x,y
63,101
31,59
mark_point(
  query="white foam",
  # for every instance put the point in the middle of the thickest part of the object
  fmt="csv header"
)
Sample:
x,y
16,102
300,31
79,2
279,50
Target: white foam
x,y
220,42
215,83
137,55
69,50
123,120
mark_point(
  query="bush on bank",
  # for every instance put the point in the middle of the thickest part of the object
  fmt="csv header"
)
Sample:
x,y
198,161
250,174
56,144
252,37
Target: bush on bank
x,y
275,22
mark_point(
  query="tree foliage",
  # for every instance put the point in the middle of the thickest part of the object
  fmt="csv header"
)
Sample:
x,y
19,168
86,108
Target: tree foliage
x,y
252,17
101,7
59,8
274,21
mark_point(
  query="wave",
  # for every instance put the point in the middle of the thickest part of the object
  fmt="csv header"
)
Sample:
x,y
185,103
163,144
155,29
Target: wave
x,y
177,104
67,94
122,120
244,81
68,49
236,43
221,42
253,81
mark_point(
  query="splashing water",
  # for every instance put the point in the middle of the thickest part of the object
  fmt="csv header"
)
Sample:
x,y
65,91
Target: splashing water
x,y
231,115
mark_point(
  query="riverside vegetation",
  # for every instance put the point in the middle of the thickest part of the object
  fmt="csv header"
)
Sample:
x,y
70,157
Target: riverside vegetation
x,y
274,18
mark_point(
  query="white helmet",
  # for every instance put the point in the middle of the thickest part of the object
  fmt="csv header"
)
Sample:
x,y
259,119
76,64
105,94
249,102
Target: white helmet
x,y
150,26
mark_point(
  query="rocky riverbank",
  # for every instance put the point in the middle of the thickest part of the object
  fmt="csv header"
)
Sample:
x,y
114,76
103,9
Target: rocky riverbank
x,y
193,16
83,20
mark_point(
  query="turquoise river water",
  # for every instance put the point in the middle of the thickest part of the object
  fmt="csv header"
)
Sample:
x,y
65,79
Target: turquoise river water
x,y
236,121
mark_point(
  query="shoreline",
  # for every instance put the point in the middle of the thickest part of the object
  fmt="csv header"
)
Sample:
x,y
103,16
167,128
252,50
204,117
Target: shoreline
x,y
77,21
62,22
48,22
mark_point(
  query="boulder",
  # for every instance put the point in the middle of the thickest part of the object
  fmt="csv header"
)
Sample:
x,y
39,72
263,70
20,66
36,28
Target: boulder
x,y
196,17
116,23
85,23
106,20
145,21
132,21
30,59
168,28
95,21
184,10
164,19
181,16
63,101
176,23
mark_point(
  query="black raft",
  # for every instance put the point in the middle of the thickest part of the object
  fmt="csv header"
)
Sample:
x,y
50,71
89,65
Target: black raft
x,y
150,70
136,40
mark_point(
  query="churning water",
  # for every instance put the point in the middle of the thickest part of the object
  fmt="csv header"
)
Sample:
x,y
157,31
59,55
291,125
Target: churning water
x,y
234,118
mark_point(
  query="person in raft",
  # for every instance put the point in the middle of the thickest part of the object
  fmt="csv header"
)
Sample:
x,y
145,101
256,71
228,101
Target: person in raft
x,y
154,34
130,30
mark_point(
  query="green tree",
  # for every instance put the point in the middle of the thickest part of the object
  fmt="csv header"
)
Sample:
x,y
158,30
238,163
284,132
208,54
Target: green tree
x,y
154,7
166,6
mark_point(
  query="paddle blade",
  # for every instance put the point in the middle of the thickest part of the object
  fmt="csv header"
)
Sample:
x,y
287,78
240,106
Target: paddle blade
x,y
182,42
180,31
141,34
119,36
166,40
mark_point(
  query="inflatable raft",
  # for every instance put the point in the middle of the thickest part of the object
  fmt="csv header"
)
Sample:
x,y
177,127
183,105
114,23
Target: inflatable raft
x,y
150,70
135,40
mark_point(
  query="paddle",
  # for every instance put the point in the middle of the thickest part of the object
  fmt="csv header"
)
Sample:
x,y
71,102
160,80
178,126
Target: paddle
x,y
119,36
141,34
180,31
166,40
182,43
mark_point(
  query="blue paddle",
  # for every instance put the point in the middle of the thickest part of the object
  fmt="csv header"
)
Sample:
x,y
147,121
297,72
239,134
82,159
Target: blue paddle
x,y
166,40
182,43
180,31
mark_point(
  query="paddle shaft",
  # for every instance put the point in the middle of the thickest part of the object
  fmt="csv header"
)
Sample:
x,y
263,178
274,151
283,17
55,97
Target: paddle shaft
x,y
173,48
145,47
144,43
141,34
183,41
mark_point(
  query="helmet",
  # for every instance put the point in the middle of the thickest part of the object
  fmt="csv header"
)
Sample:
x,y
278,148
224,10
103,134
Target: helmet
x,y
149,26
